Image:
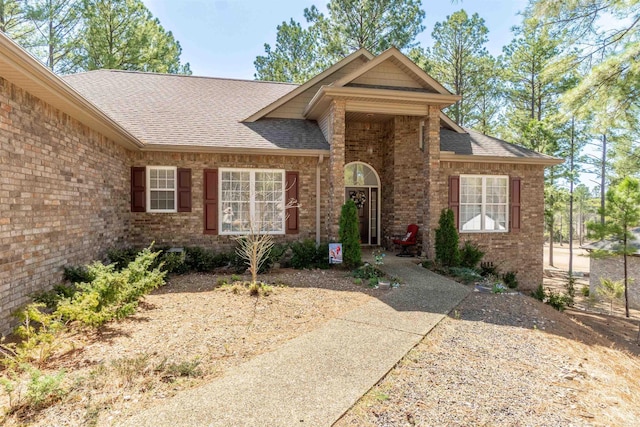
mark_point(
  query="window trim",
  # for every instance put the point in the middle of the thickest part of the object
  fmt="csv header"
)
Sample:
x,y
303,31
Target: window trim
x,y
484,203
149,189
252,190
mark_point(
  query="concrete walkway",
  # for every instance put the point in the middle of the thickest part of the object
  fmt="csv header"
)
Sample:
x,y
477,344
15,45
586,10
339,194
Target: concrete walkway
x,y
314,379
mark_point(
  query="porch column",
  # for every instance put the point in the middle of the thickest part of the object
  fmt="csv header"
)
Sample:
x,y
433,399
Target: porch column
x,y
336,167
434,190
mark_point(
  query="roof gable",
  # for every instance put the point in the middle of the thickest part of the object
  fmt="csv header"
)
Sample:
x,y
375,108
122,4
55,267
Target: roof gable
x,y
305,92
402,70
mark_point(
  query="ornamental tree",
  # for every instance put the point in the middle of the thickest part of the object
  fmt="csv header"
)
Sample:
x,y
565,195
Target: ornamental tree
x,y
447,250
349,233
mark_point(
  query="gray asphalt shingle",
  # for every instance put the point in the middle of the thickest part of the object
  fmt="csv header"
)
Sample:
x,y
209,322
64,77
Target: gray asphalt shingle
x,y
195,111
476,144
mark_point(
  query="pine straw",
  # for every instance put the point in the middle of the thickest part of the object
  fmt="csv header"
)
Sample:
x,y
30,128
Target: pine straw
x,y
184,334
506,360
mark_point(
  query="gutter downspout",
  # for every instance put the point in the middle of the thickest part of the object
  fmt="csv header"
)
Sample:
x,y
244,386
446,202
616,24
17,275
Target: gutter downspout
x,y
320,160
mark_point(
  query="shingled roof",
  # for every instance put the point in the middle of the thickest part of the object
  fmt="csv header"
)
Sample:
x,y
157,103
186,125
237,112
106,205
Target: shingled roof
x,y
175,110
474,143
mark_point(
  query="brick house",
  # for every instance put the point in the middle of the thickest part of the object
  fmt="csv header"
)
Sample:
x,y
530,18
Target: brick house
x,y
112,158
613,267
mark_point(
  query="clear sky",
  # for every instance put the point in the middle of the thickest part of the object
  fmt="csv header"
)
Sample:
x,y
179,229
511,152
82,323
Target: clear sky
x,y
221,38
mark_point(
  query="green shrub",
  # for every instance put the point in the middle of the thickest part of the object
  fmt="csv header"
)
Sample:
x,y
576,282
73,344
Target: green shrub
x,y
174,262
470,255
221,259
428,264
188,368
112,294
39,330
121,257
585,291
539,293
349,234
306,255
78,274
509,278
447,251
466,274
276,252
367,272
199,259
43,390
488,269
557,300
53,297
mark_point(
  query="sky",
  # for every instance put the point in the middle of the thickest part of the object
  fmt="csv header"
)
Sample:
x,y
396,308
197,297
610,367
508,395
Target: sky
x,y
221,38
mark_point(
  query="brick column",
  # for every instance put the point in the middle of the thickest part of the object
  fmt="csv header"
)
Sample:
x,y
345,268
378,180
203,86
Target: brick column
x,y
336,167
434,188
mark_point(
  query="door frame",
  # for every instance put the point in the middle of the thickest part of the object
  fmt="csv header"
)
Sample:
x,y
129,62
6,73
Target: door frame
x,y
378,201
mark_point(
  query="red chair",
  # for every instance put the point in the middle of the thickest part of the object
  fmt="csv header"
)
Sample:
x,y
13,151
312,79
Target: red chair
x,y
409,239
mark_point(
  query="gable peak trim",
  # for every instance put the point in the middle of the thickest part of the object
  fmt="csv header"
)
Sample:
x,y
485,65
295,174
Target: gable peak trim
x,y
394,53
335,67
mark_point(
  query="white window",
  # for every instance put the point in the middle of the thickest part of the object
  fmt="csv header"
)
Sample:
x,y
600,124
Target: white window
x,y
162,188
484,203
252,200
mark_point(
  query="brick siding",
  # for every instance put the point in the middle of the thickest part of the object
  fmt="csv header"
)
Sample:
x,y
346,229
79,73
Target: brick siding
x,y
186,228
64,196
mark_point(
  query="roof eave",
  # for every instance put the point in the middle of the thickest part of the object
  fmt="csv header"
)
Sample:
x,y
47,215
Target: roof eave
x,y
453,157
319,100
35,78
295,152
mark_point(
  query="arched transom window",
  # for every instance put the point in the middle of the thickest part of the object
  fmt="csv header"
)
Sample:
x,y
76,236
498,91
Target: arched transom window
x,y
360,175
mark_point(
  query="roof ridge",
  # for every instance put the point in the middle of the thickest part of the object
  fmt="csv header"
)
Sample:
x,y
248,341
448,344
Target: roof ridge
x,y
108,70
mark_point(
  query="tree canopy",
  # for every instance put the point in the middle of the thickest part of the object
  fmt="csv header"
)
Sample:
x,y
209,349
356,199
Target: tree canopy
x,y
349,25
78,35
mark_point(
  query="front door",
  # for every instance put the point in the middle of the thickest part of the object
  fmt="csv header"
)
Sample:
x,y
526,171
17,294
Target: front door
x,y
366,200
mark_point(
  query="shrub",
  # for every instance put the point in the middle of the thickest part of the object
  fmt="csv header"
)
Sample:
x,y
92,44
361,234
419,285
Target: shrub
x,y
557,300
539,293
509,278
112,294
306,254
121,257
53,297
470,255
43,390
349,234
447,251
368,272
585,291
611,290
488,269
428,264
199,259
174,262
78,274
466,274
40,333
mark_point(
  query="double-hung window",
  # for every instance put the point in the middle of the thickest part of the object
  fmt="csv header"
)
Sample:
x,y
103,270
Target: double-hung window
x,y
252,200
162,187
484,203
